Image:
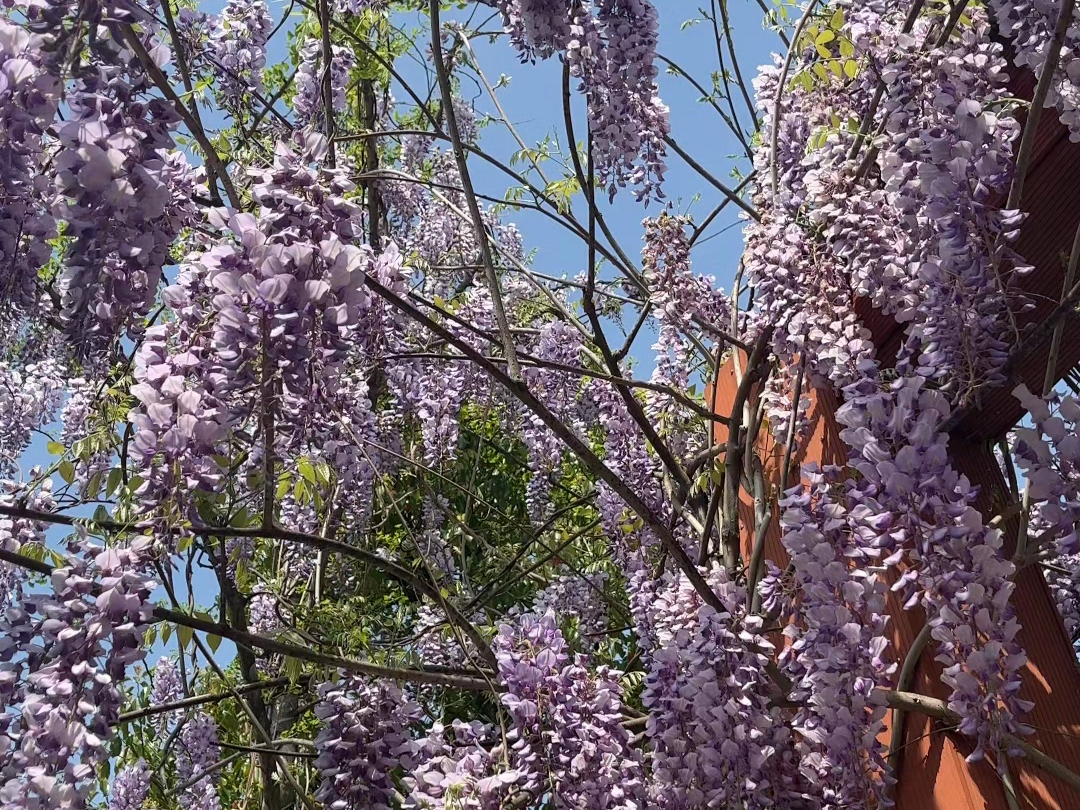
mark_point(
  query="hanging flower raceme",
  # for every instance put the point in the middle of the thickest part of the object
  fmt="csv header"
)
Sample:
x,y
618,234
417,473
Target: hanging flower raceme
x,y
122,192
459,767
198,751
558,343
29,96
364,740
611,49
64,657
272,307
1029,26
715,739
567,736
80,421
1049,454
19,532
917,505
308,103
681,300
168,685
29,397
581,597
130,787
838,659
238,45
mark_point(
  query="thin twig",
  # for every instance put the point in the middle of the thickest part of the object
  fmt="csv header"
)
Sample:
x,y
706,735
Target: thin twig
x,y
727,192
932,707
470,198
1038,101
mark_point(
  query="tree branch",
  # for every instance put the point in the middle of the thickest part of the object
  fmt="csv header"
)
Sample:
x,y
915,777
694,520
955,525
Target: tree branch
x,y
470,198
932,707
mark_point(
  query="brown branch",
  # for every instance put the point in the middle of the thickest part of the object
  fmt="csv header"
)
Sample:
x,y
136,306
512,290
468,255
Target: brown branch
x,y
729,534
903,683
388,567
441,677
202,700
162,82
1038,101
470,198
938,709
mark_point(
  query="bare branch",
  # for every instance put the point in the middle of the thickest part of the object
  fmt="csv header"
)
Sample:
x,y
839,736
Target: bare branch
x,y
466,182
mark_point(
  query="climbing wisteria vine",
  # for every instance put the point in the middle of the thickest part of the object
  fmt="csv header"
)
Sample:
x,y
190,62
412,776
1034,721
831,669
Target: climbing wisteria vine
x,y
419,505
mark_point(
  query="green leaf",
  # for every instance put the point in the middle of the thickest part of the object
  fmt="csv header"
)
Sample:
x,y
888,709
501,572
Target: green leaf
x,y
283,485
55,448
116,475
294,668
67,471
35,551
824,38
306,470
184,634
214,642
851,68
242,518
836,22
802,79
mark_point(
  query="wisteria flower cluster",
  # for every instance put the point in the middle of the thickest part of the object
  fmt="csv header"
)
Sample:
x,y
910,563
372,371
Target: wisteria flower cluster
x,y
459,767
366,728
238,46
567,736
308,103
1029,26
906,221
65,656
581,597
18,532
714,737
198,750
611,48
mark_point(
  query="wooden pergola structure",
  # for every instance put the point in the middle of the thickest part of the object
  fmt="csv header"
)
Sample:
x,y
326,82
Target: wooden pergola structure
x,y
932,772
